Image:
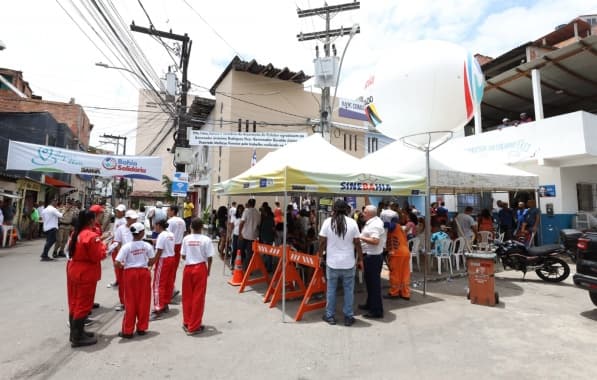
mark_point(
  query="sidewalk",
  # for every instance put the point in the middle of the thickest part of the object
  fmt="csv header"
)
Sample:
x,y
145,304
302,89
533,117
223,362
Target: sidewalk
x,y
538,330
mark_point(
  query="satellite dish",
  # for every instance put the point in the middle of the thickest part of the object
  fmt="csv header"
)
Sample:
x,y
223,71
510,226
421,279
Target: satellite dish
x,y
424,88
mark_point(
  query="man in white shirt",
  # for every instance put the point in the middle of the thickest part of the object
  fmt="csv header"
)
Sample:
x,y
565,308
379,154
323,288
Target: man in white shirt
x,y
122,236
466,225
373,241
50,216
248,231
339,237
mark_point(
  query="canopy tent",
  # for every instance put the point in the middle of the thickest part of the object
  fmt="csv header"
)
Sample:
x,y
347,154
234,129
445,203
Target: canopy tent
x,y
312,165
451,168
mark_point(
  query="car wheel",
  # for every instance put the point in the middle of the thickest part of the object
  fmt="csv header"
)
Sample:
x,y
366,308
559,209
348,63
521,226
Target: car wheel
x,y
593,296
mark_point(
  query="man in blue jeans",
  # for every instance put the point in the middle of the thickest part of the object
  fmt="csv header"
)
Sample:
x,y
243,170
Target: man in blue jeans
x,y
339,237
50,217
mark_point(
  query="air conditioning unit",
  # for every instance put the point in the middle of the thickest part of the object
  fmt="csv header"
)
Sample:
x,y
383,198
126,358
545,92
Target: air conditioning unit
x,y
183,155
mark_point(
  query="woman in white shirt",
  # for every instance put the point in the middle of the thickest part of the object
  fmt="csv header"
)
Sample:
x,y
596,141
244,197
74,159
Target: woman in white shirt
x,y
234,226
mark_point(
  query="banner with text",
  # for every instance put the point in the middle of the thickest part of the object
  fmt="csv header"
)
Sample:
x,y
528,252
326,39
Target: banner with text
x,y
352,109
244,139
49,159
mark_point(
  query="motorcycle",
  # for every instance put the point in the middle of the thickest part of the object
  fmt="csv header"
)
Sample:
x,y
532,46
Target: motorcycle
x,y
543,260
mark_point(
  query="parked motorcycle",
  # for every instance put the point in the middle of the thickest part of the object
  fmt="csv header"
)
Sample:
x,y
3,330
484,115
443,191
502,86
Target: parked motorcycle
x,y
543,260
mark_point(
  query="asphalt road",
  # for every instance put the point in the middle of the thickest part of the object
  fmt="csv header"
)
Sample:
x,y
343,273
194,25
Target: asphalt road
x,y
538,330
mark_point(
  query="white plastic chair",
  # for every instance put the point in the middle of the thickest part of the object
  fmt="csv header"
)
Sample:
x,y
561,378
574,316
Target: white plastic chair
x,y
458,247
413,246
484,239
443,253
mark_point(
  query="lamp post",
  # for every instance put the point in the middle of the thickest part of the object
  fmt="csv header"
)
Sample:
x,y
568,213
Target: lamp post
x,y
353,31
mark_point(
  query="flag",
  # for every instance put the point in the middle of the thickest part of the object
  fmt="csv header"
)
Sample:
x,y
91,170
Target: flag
x,y
254,158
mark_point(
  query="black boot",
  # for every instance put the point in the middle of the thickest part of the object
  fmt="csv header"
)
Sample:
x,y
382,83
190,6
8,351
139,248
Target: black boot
x,y
79,338
70,324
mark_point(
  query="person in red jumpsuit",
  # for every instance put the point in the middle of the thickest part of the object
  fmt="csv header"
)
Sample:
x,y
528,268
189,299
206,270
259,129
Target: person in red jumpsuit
x,y
86,250
135,258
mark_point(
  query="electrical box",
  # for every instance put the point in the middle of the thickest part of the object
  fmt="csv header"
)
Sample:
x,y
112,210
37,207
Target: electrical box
x,y
183,156
326,71
171,83
549,208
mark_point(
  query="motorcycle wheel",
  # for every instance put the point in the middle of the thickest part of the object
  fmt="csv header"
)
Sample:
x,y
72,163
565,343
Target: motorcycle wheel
x,y
593,296
554,270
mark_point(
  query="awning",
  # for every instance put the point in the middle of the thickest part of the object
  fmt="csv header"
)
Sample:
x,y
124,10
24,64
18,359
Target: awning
x,y
6,195
55,182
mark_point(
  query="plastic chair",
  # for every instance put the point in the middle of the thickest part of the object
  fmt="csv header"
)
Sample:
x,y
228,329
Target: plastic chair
x,y
484,239
458,246
7,234
443,253
500,237
413,246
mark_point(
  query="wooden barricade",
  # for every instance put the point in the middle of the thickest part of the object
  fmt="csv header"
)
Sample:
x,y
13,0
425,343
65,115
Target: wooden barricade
x,y
256,264
317,283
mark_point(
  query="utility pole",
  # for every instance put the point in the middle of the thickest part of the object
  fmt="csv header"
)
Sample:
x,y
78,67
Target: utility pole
x,y
180,137
117,143
326,66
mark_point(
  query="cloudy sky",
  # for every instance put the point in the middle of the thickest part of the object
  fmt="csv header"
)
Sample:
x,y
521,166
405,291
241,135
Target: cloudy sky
x,y
56,43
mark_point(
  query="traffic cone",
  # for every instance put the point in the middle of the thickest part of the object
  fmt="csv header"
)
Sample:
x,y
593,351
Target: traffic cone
x,y
237,274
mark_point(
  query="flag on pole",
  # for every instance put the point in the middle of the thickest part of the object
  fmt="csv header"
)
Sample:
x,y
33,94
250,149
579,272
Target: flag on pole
x,y
254,158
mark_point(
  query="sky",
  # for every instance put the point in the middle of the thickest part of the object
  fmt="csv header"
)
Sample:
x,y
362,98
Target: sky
x,y
56,43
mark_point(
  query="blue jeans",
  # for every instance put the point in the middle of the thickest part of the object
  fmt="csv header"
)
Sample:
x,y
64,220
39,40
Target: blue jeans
x,y
332,275
50,240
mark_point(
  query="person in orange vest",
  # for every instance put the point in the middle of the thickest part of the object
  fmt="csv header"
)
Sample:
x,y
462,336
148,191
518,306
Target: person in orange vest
x,y
135,258
85,251
398,259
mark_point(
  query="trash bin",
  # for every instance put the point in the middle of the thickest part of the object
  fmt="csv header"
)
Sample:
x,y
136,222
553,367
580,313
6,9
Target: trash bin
x,y
481,279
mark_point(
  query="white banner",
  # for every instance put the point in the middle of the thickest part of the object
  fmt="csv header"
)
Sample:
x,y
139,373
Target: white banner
x,y
49,159
244,139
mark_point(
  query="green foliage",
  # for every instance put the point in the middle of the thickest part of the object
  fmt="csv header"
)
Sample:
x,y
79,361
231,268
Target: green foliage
x,y
167,183
205,215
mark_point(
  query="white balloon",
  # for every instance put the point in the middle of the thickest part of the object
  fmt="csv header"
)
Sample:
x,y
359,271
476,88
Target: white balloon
x,y
427,86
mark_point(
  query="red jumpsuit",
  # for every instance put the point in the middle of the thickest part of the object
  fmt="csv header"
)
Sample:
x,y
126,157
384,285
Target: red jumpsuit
x,y
83,272
399,263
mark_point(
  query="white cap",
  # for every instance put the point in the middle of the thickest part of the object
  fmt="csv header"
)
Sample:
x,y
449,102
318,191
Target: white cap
x,y
131,214
159,204
137,227
121,207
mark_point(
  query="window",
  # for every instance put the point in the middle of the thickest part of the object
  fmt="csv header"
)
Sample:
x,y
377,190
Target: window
x,y
372,144
587,196
350,142
8,79
465,200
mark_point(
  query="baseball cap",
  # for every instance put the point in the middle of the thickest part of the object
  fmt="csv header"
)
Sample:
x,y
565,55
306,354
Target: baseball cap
x,y
121,207
159,204
131,214
96,209
137,228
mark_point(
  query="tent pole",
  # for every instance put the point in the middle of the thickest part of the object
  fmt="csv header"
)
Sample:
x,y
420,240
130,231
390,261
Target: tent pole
x,y
427,215
284,257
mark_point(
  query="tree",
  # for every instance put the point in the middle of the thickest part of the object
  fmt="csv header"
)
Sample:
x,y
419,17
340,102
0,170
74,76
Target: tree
x,y
167,183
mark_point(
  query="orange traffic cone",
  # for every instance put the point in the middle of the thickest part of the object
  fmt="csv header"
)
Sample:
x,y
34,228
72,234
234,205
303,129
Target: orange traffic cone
x,y
237,274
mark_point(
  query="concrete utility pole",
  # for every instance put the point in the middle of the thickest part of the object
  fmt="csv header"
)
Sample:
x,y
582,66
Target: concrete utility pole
x,y
117,143
180,136
325,36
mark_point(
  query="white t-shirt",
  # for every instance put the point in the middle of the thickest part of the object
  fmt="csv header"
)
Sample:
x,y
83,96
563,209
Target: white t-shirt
x,y
231,214
236,224
374,228
117,223
466,223
340,250
123,235
165,242
251,217
196,248
178,227
387,214
135,254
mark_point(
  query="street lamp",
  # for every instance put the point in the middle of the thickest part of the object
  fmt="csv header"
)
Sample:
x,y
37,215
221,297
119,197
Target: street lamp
x,y
353,31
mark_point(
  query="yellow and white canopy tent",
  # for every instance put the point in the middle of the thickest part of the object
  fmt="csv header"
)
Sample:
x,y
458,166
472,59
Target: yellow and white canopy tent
x,y
312,165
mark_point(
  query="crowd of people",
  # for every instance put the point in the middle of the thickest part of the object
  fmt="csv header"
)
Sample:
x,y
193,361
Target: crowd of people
x,y
87,241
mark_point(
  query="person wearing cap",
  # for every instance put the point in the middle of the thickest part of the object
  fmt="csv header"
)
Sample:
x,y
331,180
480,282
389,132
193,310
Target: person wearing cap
x,y
121,237
373,241
163,277
178,228
50,216
339,238
134,259
155,215
197,252
85,250
65,224
119,220
398,258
